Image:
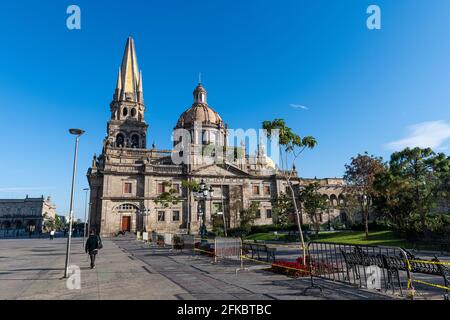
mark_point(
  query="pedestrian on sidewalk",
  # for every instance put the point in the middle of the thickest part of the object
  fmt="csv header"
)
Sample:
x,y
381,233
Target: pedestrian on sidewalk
x,y
93,244
52,234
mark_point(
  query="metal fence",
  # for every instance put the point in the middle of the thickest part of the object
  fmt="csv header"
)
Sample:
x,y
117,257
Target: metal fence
x,y
369,267
227,248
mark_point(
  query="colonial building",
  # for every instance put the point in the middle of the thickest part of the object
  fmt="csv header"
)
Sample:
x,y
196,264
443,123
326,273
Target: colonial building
x,y
26,214
127,178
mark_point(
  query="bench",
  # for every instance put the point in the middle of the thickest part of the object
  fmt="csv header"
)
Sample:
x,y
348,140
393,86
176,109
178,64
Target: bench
x,y
258,250
445,272
392,264
419,265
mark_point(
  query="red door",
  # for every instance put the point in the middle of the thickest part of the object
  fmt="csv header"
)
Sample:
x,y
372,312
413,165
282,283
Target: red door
x,y
126,223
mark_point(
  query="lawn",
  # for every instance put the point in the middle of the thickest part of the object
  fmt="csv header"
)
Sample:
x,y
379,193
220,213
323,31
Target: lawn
x,y
270,236
380,238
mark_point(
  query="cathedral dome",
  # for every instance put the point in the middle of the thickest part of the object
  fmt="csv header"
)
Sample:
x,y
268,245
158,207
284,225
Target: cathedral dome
x,y
200,112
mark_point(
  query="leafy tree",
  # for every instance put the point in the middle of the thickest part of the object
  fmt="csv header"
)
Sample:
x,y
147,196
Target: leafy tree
x,y
59,225
217,223
421,179
351,204
359,177
282,208
248,216
393,201
168,198
50,224
314,204
291,147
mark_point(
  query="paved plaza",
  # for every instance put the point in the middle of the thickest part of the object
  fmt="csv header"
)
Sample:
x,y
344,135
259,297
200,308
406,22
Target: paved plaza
x,y
126,269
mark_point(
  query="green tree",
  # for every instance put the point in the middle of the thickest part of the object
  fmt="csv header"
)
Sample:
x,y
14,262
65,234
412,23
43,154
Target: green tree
x,y
394,200
291,147
350,204
359,177
50,224
169,197
248,216
59,225
282,208
313,203
416,182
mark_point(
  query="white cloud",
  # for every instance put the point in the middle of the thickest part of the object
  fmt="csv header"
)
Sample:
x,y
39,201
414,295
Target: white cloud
x,y
431,134
298,106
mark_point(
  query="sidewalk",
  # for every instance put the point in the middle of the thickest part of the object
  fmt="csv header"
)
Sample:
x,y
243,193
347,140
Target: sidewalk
x,y
34,269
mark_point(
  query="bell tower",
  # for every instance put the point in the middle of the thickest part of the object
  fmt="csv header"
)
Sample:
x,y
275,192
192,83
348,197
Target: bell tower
x,y
127,127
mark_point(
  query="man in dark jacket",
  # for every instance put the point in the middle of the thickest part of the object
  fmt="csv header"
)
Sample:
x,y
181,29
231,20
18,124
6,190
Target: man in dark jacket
x,y
93,244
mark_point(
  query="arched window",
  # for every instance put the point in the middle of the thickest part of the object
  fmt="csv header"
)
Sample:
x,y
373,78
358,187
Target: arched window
x,y
135,141
133,112
125,112
333,201
341,200
127,207
120,141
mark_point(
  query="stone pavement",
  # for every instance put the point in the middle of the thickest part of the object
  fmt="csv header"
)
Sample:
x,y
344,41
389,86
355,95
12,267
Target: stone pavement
x,y
126,269
34,269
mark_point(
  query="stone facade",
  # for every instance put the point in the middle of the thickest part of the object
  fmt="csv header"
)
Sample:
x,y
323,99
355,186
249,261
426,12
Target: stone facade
x,y
21,214
127,178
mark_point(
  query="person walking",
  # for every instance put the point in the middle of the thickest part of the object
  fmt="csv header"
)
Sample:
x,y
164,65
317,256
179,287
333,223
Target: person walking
x,y
52,234
93,244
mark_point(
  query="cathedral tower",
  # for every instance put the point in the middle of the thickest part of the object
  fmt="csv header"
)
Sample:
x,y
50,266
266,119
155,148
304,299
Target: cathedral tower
x,y
127,127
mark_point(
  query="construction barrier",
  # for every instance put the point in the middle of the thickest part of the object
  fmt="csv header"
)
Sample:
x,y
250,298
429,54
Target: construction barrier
x,y
167,239
227,248
188,241
138,236
145,237
434,270
369,267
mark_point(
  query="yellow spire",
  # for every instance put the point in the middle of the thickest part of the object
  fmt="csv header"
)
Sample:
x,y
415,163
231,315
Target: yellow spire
x,y
129,71
140,90
140,83
119,82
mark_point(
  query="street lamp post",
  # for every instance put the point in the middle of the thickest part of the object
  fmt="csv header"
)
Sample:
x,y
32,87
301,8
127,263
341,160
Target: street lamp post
x,y
85,215
144,213
202,196
77,133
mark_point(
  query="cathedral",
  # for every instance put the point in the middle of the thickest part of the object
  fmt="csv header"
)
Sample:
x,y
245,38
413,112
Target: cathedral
x,y
127,179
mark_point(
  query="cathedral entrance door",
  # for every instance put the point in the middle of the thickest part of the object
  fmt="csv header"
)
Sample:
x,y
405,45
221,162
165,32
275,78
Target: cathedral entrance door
x,y
126,223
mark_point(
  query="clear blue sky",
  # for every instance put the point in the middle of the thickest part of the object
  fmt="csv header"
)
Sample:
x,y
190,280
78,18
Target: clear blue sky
x,y
363,89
